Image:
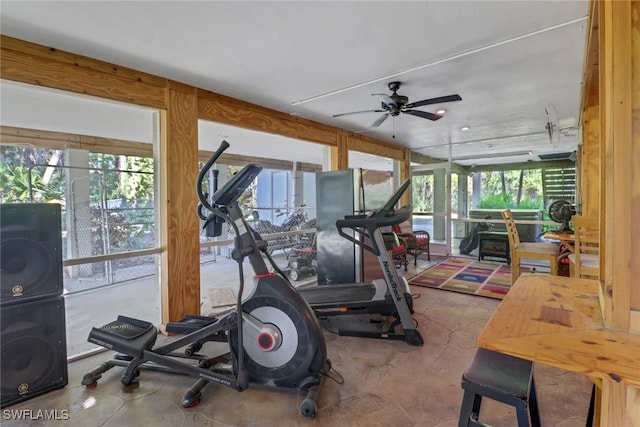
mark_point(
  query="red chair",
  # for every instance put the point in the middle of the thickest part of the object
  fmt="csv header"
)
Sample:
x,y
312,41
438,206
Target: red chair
x,y
397,247
417,242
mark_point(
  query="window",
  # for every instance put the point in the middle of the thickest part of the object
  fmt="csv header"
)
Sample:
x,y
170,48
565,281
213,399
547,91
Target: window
x,y
95,158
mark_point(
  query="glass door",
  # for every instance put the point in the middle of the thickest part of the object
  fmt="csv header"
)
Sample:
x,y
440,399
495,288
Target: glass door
x,y
431,190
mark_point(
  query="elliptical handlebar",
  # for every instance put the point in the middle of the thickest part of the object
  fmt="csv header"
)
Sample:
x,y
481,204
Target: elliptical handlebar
x,y
224,197
205,169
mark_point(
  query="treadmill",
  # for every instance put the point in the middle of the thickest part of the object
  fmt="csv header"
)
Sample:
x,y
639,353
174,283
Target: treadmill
x,y
389,297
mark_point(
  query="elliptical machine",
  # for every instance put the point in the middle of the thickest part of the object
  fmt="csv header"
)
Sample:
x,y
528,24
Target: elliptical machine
x,y
274,338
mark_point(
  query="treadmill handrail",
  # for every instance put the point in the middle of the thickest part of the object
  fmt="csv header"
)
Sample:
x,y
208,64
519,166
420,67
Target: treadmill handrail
x,y
384,216
371,223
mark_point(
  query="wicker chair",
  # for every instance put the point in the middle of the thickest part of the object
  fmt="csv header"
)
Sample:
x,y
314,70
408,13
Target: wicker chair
x,y
417,242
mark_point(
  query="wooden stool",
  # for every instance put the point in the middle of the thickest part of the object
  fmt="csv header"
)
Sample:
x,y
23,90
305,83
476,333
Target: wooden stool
x,y
500,377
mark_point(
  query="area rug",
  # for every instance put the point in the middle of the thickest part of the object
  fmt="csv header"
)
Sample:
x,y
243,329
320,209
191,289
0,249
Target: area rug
x,y
467,276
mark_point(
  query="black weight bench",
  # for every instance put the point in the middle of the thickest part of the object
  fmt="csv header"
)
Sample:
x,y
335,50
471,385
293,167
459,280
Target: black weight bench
x,y
503,378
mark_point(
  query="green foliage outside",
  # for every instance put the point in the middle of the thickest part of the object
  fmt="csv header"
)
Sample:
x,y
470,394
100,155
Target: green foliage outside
x,y
496,192
114,179
121,192
500,190
423,194
496,201
422,191
15,163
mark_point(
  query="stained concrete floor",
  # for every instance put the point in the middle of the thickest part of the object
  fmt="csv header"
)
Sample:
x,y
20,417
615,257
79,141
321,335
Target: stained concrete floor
x,y
384,383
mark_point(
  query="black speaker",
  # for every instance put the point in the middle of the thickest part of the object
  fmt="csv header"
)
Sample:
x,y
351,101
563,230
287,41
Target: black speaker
x,y
31,251
33,346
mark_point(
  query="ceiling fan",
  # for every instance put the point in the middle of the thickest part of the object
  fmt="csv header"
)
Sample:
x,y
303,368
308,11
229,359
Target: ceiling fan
x,y
552,125
394,104
555,127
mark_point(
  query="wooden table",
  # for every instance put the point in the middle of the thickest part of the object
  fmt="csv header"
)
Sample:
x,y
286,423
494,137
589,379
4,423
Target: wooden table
x,y
557,321
564,237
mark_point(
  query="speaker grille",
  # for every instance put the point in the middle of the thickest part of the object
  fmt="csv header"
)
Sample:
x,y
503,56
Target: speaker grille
x,y
30,252
33,357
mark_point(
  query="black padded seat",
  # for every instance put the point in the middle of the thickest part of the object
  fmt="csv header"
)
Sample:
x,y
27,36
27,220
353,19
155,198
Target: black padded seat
x,y
503,378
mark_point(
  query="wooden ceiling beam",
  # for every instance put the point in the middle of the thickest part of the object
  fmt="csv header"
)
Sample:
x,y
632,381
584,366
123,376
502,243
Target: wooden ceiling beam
x,y
10,135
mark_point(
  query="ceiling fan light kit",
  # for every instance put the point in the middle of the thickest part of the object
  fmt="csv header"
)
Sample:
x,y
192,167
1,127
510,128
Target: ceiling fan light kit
x,y
393,105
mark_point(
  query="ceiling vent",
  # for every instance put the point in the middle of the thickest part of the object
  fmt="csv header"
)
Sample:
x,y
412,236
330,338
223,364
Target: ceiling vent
x,y
557,156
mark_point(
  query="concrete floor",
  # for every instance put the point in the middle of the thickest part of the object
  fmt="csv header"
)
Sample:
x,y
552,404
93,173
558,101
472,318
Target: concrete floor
x,y
385,383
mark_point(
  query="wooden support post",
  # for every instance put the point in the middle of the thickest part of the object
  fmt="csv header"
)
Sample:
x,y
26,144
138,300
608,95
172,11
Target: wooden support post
x,y
619,54
405,173
340,153
589,155
180,226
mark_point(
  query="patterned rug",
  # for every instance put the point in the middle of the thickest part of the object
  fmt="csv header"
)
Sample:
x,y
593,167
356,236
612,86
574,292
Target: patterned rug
x,y
468,276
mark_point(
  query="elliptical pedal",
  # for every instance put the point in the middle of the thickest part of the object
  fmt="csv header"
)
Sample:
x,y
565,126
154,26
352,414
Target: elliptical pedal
x,y
125,335
189,324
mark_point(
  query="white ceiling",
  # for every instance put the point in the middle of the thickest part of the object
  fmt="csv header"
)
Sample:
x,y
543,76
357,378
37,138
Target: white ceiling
x,y
506,59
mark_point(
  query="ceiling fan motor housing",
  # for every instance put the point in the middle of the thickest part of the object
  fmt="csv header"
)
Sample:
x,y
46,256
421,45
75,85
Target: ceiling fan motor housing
x,y
401,100
393,86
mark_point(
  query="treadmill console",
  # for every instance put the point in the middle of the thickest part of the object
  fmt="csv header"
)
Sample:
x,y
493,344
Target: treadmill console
x,y
388,208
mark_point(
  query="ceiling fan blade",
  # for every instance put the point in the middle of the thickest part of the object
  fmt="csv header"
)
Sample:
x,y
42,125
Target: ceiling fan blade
x,y
358,112
423,114
381,119
385,99
438,100
552,125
